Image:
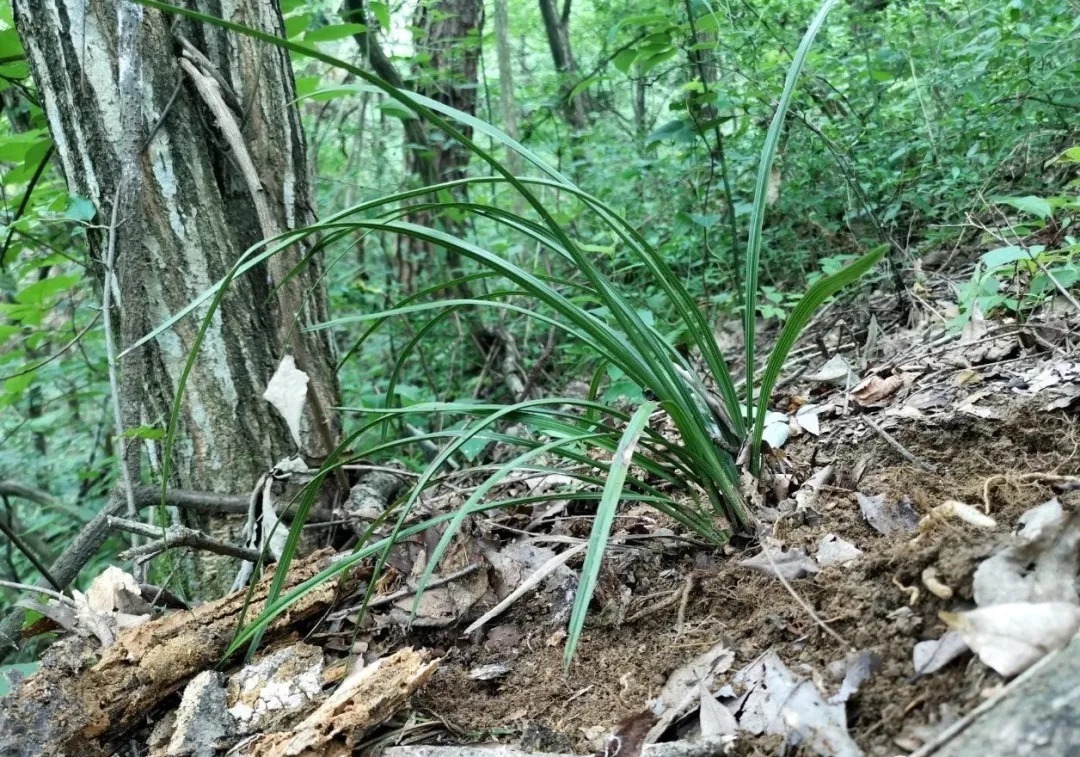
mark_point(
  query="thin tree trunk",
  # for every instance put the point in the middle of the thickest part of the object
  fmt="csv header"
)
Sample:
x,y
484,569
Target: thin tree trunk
x,y
136,134
557,27
507,107
447,30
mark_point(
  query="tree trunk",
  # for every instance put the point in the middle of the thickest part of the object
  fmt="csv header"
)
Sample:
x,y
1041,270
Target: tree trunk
x,y
448,31
507,107
130,101
558,34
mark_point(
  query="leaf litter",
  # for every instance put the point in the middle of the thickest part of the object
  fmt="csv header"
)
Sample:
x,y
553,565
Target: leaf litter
x,y
921,601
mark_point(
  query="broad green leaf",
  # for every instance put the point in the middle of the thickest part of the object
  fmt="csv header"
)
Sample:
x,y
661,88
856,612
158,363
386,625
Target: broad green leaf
x,y
42,291
80,209
381,12
1036,206
1004,256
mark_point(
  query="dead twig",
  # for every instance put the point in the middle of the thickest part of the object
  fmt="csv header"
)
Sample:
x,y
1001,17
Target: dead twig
x,y
388,599
803,603
900,448
175,536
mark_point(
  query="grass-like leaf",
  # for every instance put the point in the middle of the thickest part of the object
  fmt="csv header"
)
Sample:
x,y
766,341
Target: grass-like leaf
x,y
605,516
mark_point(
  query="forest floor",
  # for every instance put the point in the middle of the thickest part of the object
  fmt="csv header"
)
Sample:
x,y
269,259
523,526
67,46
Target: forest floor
x,y
979,420
905,476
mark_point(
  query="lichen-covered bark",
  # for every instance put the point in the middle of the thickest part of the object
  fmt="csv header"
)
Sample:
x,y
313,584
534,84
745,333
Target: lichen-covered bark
x,y
107,72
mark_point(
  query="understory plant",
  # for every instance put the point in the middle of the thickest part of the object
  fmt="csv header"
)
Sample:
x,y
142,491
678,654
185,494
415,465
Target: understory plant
x,y
637,462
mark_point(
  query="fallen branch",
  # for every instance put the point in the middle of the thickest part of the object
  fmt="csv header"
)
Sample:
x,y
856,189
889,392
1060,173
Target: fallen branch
x,y
70,707
173,536
85,545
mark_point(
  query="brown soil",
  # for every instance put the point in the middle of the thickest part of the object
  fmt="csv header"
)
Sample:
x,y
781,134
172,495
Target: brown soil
x,y
620,666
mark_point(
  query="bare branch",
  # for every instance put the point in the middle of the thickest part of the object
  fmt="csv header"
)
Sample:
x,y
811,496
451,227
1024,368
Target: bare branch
x,y
175,536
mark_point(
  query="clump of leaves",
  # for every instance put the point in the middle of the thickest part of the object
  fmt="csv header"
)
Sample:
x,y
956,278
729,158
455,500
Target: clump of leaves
x,y
711,432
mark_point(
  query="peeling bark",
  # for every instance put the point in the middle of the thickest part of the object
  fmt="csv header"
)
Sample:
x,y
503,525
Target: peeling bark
x,y
108,73
76,704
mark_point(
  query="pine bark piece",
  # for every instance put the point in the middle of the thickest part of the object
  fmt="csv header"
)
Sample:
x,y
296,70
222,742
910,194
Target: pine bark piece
x,y
74,707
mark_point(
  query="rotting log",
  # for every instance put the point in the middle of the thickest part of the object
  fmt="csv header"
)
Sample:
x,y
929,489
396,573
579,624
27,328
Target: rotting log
x,y
81,700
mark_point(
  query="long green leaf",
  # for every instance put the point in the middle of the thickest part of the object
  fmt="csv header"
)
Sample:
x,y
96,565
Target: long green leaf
x,y
800,316
761,190
601,530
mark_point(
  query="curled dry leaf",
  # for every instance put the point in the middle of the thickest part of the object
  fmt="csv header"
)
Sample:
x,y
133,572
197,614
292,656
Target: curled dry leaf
x,y
1011,637
876,390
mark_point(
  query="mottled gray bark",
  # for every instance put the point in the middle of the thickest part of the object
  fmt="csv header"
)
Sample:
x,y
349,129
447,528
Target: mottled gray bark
x,y
108,72
1037,716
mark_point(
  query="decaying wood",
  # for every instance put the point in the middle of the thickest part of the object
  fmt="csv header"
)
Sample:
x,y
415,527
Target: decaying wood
x,y
75,704
705,747
366,698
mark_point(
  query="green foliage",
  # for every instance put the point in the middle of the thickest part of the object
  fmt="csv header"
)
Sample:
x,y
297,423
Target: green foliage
x,y
1020,275
632,238
617,332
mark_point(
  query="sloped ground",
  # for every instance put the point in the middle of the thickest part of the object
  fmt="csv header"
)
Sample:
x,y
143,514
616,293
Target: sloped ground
x,y
877,603
858,514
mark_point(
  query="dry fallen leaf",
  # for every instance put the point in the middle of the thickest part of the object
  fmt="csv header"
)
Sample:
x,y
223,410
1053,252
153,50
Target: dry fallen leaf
x,y
885,517
714,719
778,702
287,392
833,549
1011,637
681,692
1040,566
875,390
791,564
932,655
836,369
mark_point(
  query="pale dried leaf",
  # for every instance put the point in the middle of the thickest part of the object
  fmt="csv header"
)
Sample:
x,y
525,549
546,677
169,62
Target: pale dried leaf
x,y
887,517
1011,637
832,549
714,718
114,590
287,392
836,369
1042,564
778,702
858,667
791,564
932,655
680,694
